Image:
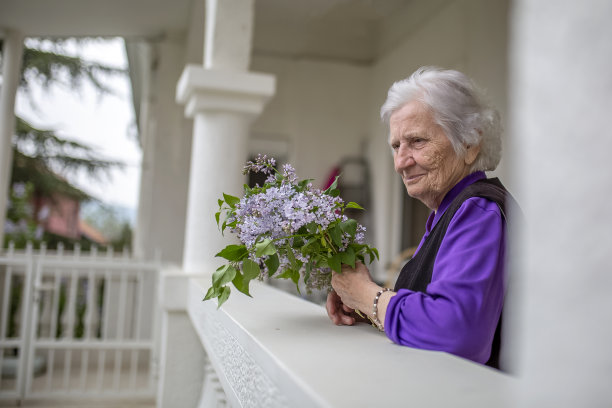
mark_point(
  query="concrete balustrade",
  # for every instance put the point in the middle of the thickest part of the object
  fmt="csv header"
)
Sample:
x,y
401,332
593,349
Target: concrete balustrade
x,y
277,350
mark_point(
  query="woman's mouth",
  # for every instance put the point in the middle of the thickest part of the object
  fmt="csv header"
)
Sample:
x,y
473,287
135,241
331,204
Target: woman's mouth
x,y
412,178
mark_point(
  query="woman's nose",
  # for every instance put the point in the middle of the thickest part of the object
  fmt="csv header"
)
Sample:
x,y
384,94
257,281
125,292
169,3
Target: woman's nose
x,y
403,158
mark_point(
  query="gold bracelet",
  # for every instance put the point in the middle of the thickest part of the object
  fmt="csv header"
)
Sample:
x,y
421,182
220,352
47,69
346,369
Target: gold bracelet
x,y
375,309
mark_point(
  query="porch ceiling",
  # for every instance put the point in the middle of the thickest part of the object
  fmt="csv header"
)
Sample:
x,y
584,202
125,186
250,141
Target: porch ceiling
x,y
338,29
125,18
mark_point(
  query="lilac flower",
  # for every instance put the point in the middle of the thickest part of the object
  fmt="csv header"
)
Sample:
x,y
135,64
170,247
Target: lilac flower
x,y
10,227
19,190
262,164
289,174
38,233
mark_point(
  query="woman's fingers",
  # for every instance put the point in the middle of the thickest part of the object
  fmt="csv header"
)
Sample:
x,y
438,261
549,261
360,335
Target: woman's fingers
x,y
331,307
337,311
347,309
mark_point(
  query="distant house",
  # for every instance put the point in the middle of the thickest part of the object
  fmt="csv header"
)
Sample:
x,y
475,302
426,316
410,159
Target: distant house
x,y
58,214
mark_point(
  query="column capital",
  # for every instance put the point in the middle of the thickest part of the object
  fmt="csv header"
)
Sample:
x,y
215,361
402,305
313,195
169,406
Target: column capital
x,y
206,90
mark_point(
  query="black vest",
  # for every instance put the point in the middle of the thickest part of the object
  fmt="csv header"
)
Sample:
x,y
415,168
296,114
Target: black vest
x,y
417,273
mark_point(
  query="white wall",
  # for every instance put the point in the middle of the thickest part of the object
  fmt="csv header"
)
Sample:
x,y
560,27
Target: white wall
x,y
319,109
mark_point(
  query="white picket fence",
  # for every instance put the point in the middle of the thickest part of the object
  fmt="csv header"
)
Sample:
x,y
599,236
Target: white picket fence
x,y
76,324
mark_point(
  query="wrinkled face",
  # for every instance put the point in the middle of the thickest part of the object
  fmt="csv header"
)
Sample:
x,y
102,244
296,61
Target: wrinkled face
x,y
423,155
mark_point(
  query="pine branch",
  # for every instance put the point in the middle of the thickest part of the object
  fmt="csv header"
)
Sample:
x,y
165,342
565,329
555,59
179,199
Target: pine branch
x,y
45,181
50,68
59,154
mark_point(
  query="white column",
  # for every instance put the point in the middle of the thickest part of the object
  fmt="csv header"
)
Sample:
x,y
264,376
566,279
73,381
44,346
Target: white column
x,y
561,100
223,99
229,34
12,54
223,104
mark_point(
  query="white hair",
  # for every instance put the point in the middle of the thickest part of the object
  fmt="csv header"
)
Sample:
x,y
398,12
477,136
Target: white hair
x,y
457,105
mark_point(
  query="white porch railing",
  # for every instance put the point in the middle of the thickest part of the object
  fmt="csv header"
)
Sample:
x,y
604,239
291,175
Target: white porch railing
x,y
276,350
77,324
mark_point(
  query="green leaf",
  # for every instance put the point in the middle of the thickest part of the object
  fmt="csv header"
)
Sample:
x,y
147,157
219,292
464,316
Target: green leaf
x,y
217,214
353,204
292,274
312,228
349,226
333,186
335,262
295,263
223,275
309,246
223,295
336,235
310,242
231,200
250,269
220,202
348,257
307,271
272,263
295,277
290,255
241,284
233,252
212,292
375,252
265,247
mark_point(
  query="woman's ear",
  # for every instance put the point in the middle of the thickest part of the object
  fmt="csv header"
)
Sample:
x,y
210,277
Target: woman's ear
x,y
471,153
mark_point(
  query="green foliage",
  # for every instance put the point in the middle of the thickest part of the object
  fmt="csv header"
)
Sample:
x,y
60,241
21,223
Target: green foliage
x,y
20,222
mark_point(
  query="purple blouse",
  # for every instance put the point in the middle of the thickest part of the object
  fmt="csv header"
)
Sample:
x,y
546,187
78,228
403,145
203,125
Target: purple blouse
x,y
460,311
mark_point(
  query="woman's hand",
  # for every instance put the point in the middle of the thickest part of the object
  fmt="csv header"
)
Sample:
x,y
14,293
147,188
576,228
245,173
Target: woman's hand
x,y
354,288
338,312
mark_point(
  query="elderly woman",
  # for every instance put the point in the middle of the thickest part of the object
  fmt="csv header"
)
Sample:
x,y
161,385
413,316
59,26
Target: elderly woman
x,y
449,296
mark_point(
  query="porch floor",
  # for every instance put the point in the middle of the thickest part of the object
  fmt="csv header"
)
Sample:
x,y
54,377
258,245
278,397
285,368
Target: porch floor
x,y
64,385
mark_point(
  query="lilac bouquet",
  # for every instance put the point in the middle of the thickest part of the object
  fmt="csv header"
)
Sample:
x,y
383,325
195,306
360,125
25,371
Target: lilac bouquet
x,y
287,230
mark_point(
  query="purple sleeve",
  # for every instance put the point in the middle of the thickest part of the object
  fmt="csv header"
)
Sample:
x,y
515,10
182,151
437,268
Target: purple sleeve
x,y
460,311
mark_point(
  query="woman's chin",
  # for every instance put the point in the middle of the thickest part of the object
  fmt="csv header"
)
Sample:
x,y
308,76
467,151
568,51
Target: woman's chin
x,y
413,190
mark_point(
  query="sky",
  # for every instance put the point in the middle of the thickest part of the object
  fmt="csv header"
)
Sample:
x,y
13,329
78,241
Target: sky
x,y
105,123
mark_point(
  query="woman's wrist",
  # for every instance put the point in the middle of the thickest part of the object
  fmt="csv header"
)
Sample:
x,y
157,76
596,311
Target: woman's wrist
x,y
375,317
383,302
366,304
